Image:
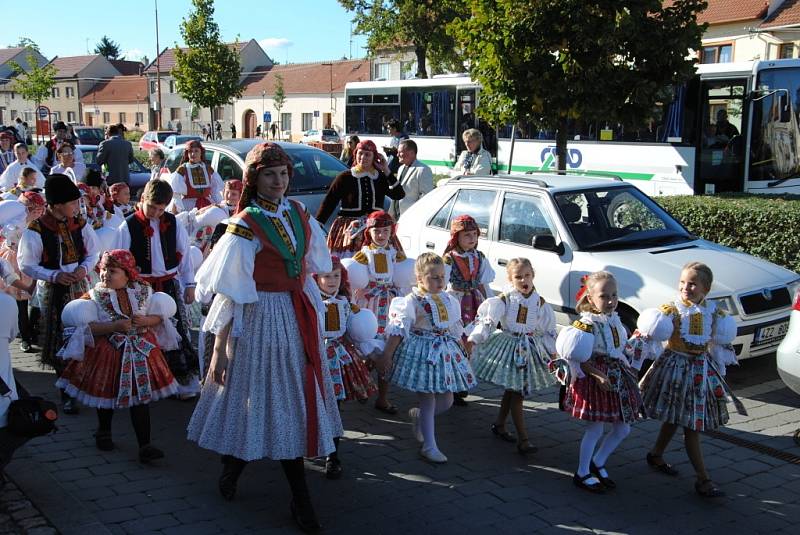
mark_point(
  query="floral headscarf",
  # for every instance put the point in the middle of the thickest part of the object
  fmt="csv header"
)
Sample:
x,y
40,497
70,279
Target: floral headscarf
x,y
460,224
122,259
263,155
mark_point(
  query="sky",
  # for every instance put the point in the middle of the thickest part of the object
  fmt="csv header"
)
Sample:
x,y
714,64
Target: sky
x,y
292,31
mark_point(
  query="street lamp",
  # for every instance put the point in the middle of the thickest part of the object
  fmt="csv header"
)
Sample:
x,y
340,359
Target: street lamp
x,y
330,94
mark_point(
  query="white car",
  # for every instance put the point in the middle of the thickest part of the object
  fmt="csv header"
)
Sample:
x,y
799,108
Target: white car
x,y
569,226
789,350
328,135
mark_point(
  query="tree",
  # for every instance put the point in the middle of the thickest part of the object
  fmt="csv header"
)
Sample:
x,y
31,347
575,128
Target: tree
x,y
26,42
34,83
549,61
420,23
279,96
207,72
107,48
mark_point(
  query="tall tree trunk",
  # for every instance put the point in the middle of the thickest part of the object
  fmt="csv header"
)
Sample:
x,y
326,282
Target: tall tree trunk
x,y
421,51
561,145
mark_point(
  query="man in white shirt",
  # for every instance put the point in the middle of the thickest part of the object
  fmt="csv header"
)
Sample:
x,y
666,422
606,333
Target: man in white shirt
x,y
415,177
46,157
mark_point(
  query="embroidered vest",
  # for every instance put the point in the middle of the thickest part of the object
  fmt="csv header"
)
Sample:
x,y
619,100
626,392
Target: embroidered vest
x,y
196,192
140,244
70,249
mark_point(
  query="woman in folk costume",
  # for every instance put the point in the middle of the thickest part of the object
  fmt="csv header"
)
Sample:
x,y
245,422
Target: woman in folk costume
x,y
685,386
194,183
59,250
114,336
268,393
360,190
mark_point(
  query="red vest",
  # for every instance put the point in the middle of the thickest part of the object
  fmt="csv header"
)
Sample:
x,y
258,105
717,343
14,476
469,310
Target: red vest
x,y
202,196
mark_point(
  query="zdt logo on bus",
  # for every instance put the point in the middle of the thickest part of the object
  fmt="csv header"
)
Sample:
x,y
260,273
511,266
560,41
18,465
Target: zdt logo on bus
x,y
548,157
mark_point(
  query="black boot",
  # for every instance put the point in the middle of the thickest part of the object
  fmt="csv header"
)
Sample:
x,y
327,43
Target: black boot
x,y
301,508
333,466
231,470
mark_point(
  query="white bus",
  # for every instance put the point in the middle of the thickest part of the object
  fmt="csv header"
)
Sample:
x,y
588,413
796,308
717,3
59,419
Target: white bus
x,y
732,127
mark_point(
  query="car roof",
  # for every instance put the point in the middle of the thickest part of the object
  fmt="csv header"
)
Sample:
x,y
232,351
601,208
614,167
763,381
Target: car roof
x,y
243,146
549,181
161,132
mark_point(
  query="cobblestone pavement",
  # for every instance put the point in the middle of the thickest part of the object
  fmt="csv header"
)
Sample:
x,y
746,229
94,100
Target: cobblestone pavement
x,y
486,487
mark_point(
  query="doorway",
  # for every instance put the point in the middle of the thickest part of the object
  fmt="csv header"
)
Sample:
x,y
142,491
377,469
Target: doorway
x,y
249,124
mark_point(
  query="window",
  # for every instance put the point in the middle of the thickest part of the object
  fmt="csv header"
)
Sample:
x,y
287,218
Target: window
x,y
106,117
13,114
408,70
428,111
69,92
71,117
56,92
153,87
174,114
717,54
786,51
523,217
218,113
443,215
308,120
476,202
12,95
228,168
286,122
56,115
122,117
313,170
172,86
139,117
381,71
368,113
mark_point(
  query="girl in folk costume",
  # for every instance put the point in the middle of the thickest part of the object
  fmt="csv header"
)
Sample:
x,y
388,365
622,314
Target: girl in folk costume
x,y
27,182
601,384
93,201
424,340
231,194
518,356
118,200
360,190
194,183
268,392
468,273
114,338
21,291
378,273
685,386
59,250
349,334
11,176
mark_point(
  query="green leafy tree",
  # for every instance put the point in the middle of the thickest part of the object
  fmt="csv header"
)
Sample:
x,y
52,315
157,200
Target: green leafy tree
x,y
107,48
279,96
34,82
420,23
207,73
26,42
549,61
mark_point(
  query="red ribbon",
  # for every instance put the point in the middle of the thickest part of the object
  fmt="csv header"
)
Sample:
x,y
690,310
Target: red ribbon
x,y
582,289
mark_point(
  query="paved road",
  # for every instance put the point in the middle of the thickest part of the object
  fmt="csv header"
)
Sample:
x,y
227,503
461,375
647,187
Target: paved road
x,y
485,488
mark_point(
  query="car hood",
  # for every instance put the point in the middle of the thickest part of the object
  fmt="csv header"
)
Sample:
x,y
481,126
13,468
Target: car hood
x,y
735,272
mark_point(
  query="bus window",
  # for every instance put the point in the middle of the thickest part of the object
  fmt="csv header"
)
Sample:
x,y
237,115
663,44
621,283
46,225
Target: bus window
x,y
428,111
776,107
368,114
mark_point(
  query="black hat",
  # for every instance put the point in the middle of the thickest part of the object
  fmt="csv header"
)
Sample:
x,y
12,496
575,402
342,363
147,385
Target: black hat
x,y
93,178
60,189
60,125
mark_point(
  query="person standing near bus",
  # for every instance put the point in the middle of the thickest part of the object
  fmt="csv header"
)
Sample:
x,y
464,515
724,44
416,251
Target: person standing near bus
x,y
475,160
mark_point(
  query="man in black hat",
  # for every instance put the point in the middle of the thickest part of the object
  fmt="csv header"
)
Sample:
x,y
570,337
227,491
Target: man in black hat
x,y
59,250
46,158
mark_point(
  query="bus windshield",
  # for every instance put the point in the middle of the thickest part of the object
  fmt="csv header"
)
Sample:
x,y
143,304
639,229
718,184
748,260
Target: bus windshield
x,y
775,146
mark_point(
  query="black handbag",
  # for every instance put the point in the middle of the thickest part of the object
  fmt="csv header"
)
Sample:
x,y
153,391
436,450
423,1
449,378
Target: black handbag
x,y
30,416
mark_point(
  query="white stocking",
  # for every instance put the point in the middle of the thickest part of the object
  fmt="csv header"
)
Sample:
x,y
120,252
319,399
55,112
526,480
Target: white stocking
x,y
427,411
594,430
610,443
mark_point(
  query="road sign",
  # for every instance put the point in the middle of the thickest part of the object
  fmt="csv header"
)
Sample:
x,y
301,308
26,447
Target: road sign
x,y
316,113
267,117
43,112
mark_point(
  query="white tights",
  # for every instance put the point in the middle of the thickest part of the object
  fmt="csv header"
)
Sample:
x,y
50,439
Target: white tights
x,y
594,430
429,406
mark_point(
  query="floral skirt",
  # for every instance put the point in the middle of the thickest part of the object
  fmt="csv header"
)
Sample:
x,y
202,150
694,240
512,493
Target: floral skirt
x,y
686,390
434,363
585,399
340,244
377,298
515,362
349,373
95,380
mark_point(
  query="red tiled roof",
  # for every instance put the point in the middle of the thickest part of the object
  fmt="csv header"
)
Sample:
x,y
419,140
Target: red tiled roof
x,y
71,66
722,11
787,14
168,58
127,68
118,89
308,78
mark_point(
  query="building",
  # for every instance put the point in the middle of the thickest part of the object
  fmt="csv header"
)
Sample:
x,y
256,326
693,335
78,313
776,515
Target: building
x,y
75,77
396,63
176,108
122,99
12,105
314,97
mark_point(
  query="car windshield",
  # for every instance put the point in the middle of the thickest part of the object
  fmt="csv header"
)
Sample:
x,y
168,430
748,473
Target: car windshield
x,y
617,218
163,136
329,133
89,133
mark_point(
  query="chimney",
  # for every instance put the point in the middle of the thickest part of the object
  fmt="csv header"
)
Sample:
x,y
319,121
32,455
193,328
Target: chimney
x,y
773,6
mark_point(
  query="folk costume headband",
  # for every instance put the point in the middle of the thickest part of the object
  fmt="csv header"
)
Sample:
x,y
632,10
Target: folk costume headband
x,y
193,144
234,184
122,259
31,199
461,223
263,155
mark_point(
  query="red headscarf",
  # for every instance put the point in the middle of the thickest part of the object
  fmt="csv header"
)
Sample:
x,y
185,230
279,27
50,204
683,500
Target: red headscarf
x,y
381,219
459,224
193,144
234,184
368,146
31,199
263,155
122,259
344,285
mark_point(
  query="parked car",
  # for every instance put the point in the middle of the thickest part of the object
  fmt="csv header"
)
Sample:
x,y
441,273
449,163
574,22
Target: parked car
x,y
173,141
328,135
789,353
313,169
88,135
569,226
139,173
153,139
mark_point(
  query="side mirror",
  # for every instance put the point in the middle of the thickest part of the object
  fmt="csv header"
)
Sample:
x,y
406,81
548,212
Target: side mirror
x,y
547,242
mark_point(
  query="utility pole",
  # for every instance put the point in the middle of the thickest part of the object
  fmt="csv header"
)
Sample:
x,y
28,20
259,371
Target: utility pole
x,y
158,73
330,94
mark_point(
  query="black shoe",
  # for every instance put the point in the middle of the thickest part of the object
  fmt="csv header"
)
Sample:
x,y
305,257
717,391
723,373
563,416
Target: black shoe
x,y
460,399
581,483
102,440
606,481
663,467
333,468
707,489
304,516
70,406
232,469
503,435
149,453
525,447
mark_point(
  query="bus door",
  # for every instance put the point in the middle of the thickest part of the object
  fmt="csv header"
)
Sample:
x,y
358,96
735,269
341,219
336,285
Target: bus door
x,y
721,143
465,114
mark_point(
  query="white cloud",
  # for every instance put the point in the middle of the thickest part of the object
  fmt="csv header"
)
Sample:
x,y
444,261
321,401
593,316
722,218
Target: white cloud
x,y
133,54
275,42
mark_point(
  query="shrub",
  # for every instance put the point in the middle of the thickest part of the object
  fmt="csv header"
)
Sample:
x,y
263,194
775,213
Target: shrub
x,y
767,226
142,156
133,135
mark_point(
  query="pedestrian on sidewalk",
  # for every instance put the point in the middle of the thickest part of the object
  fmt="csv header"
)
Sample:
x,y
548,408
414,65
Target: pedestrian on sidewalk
x,y
114,336
268,393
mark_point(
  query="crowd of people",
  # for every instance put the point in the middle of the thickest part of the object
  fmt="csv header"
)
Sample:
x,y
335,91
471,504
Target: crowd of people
x,y
294,322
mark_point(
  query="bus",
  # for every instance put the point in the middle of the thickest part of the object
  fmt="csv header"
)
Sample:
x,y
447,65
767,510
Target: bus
x,y
733,127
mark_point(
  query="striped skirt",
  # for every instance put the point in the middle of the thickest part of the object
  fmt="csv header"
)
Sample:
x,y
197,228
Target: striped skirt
x,y
515,362
585,399
349,373
434,363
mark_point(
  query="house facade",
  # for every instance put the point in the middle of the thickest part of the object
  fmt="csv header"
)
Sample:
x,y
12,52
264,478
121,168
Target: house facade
x,y
12,105
122,99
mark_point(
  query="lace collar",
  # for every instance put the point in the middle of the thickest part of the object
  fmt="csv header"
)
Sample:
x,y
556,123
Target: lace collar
x,y
436,307
358,173
696,320
610,336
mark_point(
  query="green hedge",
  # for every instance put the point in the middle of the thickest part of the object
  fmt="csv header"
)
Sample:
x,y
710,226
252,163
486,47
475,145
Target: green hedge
x,y
767,226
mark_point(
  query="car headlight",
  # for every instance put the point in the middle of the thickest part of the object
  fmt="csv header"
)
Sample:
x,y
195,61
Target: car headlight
x,y
727,304
793,287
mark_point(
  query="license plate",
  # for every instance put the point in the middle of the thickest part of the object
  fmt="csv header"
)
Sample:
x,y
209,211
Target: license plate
x,y
771,332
